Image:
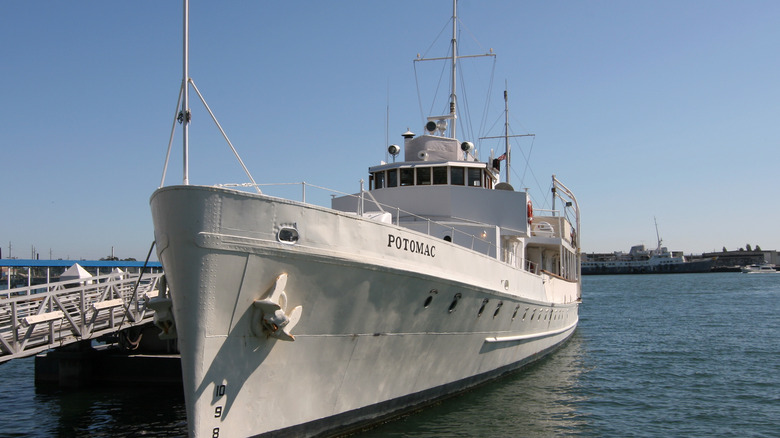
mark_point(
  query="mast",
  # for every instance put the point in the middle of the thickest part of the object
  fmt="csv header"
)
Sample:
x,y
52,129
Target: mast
x,y
453,95
506,135
452,117
657,235
184,114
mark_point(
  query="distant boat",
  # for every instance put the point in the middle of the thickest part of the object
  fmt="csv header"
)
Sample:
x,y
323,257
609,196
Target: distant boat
x,y
759,268
643,261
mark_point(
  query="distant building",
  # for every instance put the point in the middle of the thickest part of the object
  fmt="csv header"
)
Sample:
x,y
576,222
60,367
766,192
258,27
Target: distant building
x,y
730,259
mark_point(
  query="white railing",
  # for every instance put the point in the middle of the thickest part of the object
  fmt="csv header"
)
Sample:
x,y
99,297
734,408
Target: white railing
x,y
471,240
458,236
40,317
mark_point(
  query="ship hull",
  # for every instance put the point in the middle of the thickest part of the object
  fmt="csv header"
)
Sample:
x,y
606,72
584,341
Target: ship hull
x,y
384,327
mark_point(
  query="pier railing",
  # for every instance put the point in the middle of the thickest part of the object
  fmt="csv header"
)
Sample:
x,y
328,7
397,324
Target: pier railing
x,y
40,317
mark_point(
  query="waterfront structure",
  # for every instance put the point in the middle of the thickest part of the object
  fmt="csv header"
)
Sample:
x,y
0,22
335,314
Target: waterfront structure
x,y
36,318
29,272
643,261
734,260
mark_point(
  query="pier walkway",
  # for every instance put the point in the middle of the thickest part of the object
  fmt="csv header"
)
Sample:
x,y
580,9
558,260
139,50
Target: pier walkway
x,y
36,318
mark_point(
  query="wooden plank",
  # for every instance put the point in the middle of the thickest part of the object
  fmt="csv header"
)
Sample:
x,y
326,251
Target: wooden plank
x,y
107,304
31,320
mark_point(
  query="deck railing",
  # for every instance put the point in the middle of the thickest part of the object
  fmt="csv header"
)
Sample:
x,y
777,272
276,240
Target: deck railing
x,y
40,317
458,236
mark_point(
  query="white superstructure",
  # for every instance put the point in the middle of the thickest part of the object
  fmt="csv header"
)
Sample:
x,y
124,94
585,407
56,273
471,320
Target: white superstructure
x,y
298,320
762,268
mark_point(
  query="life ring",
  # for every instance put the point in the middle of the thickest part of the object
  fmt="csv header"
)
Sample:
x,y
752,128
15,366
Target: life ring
x,y
530,212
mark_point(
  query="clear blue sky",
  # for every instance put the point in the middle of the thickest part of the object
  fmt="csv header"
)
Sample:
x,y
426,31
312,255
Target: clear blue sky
x,y
645,109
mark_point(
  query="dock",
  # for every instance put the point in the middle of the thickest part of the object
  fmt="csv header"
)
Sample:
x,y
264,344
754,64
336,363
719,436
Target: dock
x,y
84,319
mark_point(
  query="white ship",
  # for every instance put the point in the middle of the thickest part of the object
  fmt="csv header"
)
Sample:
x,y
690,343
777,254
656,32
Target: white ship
x,y
299,320
760,268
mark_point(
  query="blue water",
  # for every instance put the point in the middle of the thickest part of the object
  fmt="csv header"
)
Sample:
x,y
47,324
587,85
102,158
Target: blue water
x,y
695,355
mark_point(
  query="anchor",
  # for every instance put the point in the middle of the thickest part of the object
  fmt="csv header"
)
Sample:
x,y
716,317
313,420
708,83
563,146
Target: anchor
x,y
163,317
270,317
163,311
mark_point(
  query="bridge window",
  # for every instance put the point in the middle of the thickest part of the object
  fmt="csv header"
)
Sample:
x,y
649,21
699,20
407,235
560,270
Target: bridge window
x,y
475,177
456,176
440,175
407,176
379,180
392,178
424,176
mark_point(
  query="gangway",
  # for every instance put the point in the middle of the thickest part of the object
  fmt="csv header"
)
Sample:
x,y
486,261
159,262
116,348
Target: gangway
x,y
40,317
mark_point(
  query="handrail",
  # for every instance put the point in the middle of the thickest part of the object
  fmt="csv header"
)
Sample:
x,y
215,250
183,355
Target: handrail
x,y
491,250
396,210
37,318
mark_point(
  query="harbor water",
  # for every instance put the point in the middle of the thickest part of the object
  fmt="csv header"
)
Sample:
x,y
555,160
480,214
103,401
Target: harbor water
x,y
695,355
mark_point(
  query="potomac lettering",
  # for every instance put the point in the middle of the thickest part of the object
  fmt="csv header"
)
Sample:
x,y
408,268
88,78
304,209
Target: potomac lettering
x,y
414,246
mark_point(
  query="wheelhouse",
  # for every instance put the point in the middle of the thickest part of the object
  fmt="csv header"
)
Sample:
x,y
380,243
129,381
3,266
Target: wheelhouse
x,y
459,173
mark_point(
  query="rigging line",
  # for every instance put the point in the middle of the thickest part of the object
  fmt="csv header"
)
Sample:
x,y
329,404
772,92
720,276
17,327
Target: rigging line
x,y
466,113
445,27
436,92
498,119
416,77
489,94
170,140
134,299
527,158
520,123
529,169
419,96
438,86
527,166
468,121
224,135
463,27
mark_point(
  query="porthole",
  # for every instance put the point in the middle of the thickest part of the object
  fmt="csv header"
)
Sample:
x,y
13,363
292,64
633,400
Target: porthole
x,y
514,315
498,308
482,308
454,303
525,313
430,298
287,235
